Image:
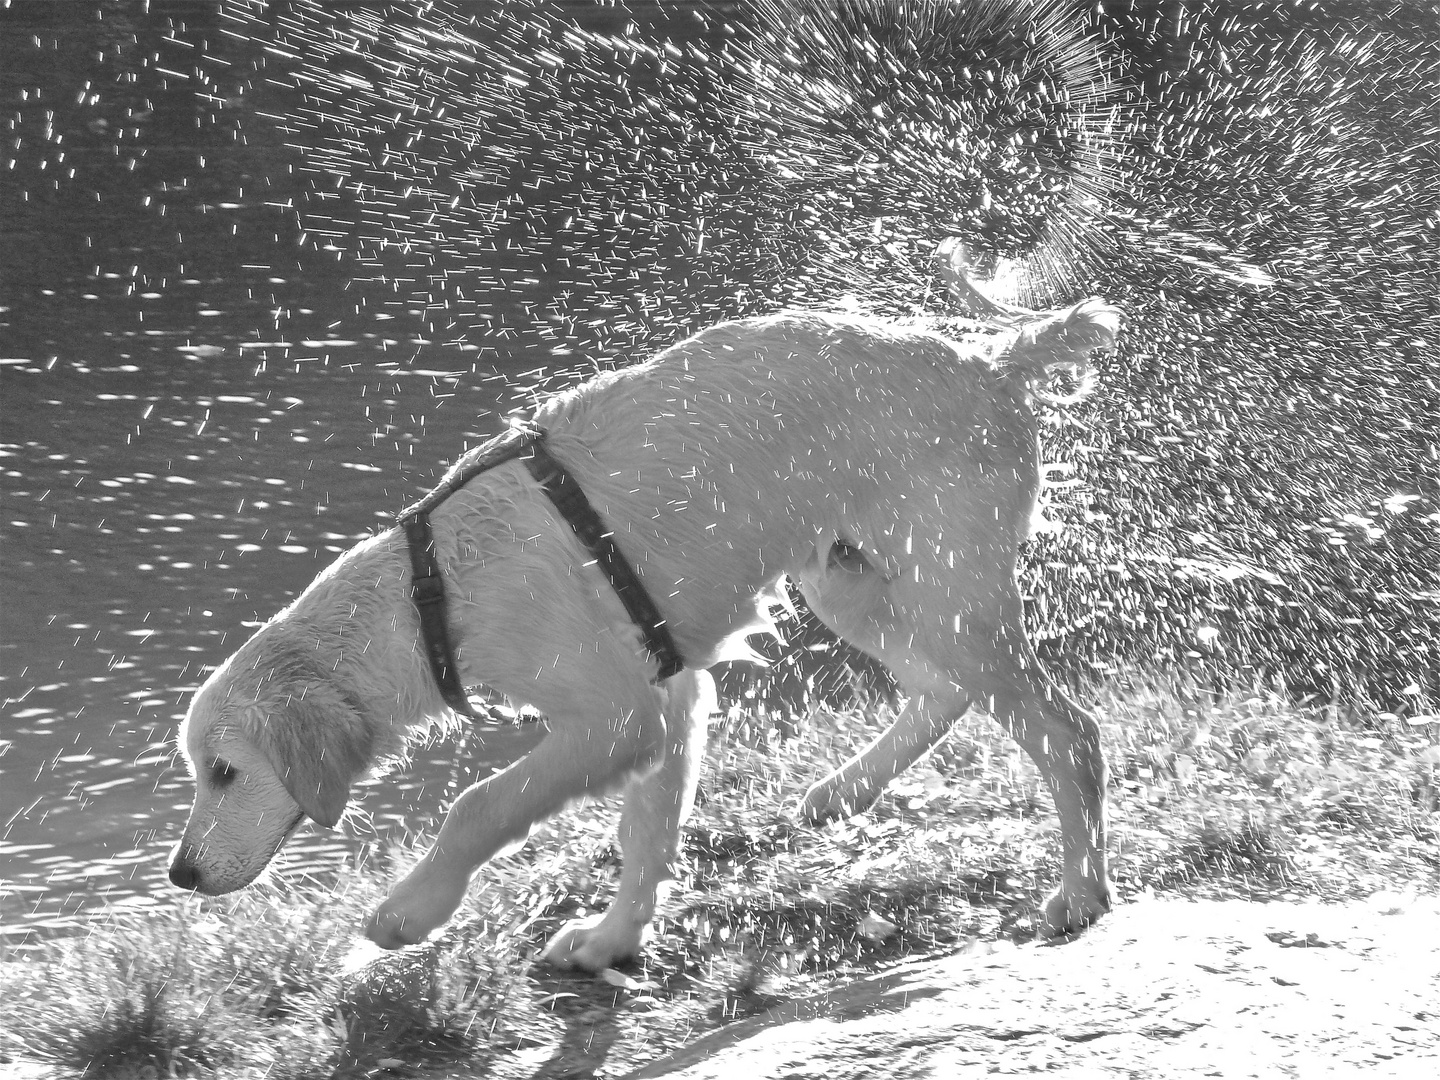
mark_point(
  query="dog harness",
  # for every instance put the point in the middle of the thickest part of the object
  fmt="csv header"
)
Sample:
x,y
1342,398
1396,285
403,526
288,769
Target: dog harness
x,y
427,587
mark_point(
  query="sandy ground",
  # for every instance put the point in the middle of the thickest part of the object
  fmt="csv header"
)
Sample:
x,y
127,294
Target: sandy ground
x,y
1162,989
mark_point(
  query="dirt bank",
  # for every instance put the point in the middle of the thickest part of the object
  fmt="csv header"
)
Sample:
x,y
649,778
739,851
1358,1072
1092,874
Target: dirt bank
x,y
1163,989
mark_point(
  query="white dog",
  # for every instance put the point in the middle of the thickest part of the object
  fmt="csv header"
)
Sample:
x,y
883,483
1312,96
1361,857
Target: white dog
x,y
888,469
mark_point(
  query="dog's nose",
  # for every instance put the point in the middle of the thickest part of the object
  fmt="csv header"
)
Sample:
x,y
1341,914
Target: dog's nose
x,y
184,874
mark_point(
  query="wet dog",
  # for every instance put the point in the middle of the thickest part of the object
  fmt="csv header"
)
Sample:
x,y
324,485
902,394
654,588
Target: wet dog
x,y
889,470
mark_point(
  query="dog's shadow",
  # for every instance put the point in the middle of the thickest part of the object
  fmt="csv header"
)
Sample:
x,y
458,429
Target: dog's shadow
x,y
592,1016
599,1019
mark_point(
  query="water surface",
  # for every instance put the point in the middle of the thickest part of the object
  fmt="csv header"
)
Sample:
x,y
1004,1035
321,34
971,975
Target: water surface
x,y
199,408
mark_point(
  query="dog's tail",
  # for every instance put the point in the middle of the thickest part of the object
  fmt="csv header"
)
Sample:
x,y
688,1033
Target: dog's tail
x,y
1062,341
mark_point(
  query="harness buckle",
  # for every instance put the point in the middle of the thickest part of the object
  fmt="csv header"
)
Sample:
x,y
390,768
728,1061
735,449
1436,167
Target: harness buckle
x,y
427,591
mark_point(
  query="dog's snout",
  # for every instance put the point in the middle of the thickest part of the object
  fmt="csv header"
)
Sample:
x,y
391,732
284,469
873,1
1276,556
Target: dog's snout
x,y
183,873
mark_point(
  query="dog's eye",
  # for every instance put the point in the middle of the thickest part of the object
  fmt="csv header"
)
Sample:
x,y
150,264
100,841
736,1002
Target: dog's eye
x,y
222,774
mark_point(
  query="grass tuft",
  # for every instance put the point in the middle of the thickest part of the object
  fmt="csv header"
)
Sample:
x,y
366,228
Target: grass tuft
x,y
141,1028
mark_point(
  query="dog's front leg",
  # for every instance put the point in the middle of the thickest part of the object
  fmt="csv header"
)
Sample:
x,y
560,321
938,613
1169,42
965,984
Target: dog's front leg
x,y
656,805
576,759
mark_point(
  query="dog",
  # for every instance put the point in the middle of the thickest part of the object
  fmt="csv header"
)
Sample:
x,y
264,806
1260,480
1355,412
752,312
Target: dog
x,y
890,470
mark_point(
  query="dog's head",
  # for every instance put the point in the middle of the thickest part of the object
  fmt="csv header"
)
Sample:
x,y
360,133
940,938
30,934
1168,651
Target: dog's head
x,y
270,739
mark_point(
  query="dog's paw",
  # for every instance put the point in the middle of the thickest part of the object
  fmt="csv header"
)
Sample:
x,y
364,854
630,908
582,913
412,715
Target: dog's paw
x,y
1064,914
593,944
412,911
393,930
832,799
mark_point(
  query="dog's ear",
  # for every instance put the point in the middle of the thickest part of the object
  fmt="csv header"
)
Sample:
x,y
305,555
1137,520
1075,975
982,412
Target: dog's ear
x,y
318,745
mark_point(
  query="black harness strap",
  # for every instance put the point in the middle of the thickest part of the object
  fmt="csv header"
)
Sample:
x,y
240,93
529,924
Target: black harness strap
x,y
565,492
427,592
427,587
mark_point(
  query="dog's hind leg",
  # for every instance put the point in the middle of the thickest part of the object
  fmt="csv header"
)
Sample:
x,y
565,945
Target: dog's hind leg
x,y
579,757
853,597
656,805
854,787
1064,742
951,637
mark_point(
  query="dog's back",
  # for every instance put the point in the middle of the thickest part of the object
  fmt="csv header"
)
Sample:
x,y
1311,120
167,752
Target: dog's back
x,y
735,456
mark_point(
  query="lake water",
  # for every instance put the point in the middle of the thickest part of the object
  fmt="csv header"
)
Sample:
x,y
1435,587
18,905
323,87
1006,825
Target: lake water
x,y
197,412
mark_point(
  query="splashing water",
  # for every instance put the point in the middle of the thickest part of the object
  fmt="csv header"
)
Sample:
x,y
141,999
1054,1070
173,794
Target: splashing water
x,y
882,120
1257,187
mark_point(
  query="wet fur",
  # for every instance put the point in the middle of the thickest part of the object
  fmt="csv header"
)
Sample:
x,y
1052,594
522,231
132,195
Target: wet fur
x,y
889,470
